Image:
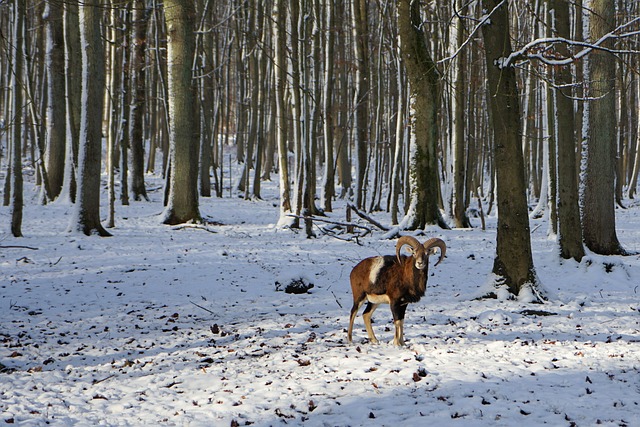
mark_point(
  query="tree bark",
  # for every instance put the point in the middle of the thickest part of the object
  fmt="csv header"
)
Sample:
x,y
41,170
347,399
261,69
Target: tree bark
x,y
513,264
569,227
598,204
136,113
361,99
280,30
86,217
460,191
56,109
424,86
16,181
182,203
73,74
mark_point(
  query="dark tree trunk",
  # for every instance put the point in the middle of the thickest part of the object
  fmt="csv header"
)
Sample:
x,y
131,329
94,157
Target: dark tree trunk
x,y
513,264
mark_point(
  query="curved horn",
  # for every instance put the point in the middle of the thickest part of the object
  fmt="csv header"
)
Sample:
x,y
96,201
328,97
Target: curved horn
x,y
406,240
434,242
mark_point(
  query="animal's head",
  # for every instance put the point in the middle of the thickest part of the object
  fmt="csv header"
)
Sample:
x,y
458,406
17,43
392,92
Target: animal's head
x,y
420,252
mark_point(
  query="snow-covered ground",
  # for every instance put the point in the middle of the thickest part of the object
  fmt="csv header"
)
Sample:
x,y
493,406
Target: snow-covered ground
x,y
189,326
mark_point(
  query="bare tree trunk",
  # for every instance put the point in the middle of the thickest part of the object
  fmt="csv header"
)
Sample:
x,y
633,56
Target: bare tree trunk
x,y
184,127
460,192
141,15
73,74
16,193
55,119
598,209
327,96
361,100
633,182
86,217
424,82
569,228
513,264
280,33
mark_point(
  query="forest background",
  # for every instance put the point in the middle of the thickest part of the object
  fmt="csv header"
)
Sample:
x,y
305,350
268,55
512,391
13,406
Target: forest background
x,y
432,111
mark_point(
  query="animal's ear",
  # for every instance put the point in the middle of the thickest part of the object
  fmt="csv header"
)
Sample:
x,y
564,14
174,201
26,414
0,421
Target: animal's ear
x,y
411,250
432,251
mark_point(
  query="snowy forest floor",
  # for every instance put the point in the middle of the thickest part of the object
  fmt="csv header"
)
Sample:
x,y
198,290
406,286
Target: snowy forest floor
x,y
189,325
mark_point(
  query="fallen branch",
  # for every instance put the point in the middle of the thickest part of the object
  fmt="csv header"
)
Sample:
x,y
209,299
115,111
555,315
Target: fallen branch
x,y
196,226
328,221
368,218
18,247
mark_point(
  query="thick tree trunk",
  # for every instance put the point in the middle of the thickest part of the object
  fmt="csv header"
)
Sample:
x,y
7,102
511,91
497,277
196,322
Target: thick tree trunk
x,y
86,218
513,264
56,108
182,203
569,228
598,204
424,83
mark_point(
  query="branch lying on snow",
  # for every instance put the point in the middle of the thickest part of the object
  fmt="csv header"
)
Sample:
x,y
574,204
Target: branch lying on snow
x,y
328,221
367,218
18,247
328,231
196,226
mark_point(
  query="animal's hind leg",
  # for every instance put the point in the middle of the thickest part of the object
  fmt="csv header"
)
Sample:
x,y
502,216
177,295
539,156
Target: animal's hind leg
x,y
354,312
368,312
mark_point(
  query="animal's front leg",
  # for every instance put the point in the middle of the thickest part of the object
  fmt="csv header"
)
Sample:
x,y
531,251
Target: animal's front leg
x,y
398,311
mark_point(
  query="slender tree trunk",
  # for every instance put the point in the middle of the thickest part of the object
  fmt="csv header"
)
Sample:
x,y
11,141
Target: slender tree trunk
x,y
361,100
598,209
460,191
86,217
136,113
513,264
184,127
633,182
327,95
16,192
113,95
73,74
280,33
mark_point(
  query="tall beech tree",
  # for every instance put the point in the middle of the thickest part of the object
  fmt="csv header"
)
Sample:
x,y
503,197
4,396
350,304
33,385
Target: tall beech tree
x,y
424,93
86,216
513,264
184,139
598,207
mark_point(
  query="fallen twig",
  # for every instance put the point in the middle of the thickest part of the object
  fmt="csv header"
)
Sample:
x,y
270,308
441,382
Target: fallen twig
x,y
367,218
328,221
196,226
334,295
199,306
18,247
